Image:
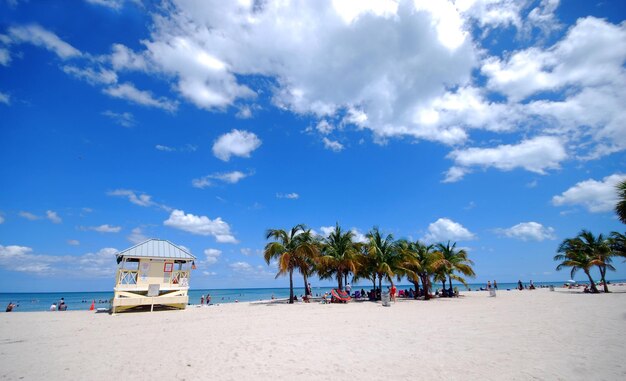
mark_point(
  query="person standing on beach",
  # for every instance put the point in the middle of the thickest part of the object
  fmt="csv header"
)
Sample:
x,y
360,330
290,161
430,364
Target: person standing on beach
x,y
495,285
308,292
520,286
348,288
488,285
208,299
393,292
202,300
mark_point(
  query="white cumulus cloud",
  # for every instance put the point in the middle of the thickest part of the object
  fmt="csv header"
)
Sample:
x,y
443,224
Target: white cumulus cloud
x,y
535,155
596,196
526,231
235,143
444,229
201,225
37,35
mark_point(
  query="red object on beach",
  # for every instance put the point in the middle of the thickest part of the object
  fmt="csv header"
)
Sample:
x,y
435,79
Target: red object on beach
x,y
93,305
340,296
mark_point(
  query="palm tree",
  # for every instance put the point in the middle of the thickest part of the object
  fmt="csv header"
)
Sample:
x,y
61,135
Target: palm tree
x,y
454,261
293,250
617,242
597,248
620,208
384,254
339,255
410,266
572,254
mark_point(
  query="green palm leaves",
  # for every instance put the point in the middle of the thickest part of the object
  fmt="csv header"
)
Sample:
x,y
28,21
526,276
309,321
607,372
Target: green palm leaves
x,y
294,250
585,251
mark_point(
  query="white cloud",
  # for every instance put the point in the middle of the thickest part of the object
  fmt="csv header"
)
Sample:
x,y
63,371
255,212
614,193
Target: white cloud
x,y
29,216
207,48
326,230
332,145
164,148
89,265
123,58
124,119
5,57
209,273
73,242
1,219
39,36
99,76
358,236
141,199
106,228
445,229
535,155
53,216
245,251
528,231
592,53
324,128
129,92
113,4
291,196
201,225
136,236
235,143
241,267
227,177
596,196
212,256
5,98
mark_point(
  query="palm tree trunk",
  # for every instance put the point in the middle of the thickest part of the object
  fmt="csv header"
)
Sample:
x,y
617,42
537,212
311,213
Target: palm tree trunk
x,y
450,282
380,284
594,289
426,287
290,286
443,282
306,283
603,277
346,278
416,283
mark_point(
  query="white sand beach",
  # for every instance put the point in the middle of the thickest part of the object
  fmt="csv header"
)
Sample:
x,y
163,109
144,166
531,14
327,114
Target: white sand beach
x,y
519,335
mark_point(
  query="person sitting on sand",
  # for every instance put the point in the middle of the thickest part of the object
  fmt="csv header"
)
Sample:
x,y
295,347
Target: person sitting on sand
x,y
10,307
53,307
63,307
532,286
519,285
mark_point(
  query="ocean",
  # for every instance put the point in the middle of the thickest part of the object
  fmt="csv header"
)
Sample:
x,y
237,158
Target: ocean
x,y
41,301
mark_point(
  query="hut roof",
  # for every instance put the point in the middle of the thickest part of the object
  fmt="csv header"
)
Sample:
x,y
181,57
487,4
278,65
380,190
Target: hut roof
x,y
155,248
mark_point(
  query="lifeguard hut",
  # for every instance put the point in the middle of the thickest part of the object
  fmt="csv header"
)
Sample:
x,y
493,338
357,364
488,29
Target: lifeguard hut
x,y
153,273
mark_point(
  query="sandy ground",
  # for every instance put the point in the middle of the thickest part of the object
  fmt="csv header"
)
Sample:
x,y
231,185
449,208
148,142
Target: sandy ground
x,y
519,335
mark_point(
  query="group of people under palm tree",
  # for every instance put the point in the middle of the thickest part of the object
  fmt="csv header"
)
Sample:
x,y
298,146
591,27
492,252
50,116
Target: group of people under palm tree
x,y
381,258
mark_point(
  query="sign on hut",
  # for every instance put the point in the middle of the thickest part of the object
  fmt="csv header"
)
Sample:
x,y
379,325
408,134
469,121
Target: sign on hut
x,y
153,273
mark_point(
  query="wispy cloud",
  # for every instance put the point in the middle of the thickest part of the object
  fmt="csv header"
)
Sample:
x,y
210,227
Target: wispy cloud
x,y
124,119
291,196
106,228
225,177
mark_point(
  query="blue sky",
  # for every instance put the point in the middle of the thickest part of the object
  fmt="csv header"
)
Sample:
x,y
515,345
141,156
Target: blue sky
x,y
496,124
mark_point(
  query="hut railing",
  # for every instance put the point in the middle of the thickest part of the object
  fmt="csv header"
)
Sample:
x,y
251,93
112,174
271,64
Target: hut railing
x,y
127,277
180,277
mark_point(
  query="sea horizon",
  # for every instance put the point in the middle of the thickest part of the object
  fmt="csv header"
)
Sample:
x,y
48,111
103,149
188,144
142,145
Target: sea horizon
x,y
81,300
